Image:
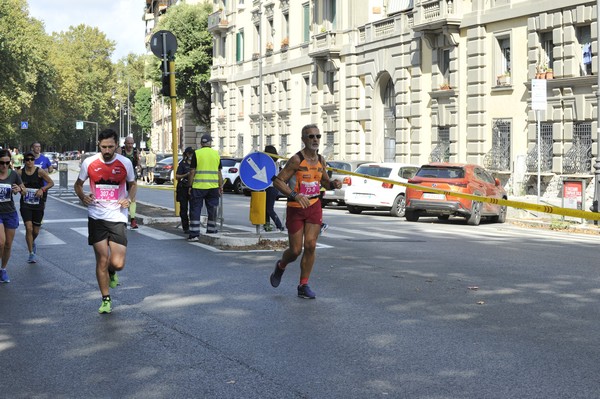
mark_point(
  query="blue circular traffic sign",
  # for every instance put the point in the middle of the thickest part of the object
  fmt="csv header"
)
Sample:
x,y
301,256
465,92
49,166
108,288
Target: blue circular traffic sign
x,y
257,170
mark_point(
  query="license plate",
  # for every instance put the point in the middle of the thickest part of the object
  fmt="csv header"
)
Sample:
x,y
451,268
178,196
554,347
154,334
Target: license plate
x,y
433,196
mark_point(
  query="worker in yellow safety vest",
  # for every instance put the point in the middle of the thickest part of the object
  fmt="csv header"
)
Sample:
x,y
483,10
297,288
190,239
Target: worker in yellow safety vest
x,y
206,186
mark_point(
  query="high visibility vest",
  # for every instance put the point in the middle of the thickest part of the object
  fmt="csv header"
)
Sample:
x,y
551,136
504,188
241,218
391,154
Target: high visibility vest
x,y
207,169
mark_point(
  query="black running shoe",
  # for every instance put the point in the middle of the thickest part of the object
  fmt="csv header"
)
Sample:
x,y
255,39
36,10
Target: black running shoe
x,y
276,275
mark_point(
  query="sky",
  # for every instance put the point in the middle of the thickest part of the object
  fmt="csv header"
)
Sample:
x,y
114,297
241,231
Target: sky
x,y
120,20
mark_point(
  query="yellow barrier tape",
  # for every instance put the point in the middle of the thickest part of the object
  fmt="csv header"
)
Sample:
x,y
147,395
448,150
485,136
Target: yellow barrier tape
x,y
555,210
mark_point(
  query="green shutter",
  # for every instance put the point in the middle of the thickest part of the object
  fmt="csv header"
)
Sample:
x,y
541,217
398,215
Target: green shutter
x,y
306,22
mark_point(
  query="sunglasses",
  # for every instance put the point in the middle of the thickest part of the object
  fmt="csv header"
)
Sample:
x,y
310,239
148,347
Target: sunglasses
x,y
5,163
29,159
312,136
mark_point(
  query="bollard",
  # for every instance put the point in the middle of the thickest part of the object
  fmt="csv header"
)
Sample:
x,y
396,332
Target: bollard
x,y
258,208
63,175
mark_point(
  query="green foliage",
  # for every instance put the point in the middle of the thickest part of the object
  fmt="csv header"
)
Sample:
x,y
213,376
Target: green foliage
x,y
26,77
53,80
193,57
143,108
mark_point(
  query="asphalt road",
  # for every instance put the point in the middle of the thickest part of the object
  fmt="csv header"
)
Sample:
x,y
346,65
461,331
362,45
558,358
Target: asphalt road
x,y
403,310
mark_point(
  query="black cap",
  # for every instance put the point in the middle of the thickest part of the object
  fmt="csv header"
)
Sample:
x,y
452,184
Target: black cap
x,y
205,139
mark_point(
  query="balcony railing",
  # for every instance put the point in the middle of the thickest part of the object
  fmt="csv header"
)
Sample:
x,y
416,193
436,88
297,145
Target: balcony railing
x,y
217,21
433,14
325,45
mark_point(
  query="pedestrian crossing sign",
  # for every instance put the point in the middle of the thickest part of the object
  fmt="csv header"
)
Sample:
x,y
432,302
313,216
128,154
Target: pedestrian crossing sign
x,y
24,125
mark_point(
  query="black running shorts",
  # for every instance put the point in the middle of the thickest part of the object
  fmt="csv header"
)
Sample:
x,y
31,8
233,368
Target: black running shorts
x,y
100,230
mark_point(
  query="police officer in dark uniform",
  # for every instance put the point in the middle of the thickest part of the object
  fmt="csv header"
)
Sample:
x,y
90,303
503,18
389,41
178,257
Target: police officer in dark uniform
x,y
183,185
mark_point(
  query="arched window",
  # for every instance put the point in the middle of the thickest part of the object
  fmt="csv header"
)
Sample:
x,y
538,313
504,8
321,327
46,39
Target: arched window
x,y
389,121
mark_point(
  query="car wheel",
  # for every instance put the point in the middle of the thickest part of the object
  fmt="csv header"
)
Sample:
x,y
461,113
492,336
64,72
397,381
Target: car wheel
x,y
159,181
501,217
237,186
247,193
324,203
399,206
411,216
475,218
443,217
355,210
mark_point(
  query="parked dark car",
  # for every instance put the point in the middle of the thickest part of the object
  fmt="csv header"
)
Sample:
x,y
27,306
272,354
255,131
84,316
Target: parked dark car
x,y
458,178
163,171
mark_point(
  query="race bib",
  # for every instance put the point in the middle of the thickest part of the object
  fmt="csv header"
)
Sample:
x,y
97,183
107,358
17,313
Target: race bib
x,y
5,192
30,197
107,192
310,189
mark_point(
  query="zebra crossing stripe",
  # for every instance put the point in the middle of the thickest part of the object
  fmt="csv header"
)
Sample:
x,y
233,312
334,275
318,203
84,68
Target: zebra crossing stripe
x,y
46,238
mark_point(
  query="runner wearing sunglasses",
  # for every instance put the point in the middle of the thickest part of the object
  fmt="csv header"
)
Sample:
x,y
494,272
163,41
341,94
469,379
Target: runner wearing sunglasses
x,y
301,181
33,200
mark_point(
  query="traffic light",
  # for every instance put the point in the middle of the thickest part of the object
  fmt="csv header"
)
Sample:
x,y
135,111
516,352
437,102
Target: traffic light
x,y
166,81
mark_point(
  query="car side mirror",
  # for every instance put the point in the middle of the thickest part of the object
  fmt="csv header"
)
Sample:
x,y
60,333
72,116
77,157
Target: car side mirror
x,y
497,181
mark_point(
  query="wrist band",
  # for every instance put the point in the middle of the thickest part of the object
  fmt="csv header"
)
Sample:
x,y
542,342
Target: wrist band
x,y
292,194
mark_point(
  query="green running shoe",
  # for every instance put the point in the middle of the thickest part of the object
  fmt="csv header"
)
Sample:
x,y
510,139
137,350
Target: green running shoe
x,y
114,280
106,306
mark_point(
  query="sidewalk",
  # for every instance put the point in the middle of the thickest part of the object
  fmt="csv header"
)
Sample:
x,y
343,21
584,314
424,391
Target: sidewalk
x,y
228,235
546,220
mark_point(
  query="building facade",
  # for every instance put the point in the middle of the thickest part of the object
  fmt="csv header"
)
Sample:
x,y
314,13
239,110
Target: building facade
x,y
411,81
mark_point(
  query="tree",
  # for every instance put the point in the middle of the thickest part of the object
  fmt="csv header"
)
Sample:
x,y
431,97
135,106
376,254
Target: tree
x,y
27,79
81,56
194,56
142,110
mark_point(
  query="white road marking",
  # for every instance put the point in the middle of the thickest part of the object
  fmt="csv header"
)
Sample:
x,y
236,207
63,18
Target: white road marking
x,y
46,238
156,234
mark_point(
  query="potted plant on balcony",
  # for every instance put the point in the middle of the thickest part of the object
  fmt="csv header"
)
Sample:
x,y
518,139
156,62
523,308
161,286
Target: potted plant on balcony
x,y
285,42
549,73
504,79
255,56
269,48
445,86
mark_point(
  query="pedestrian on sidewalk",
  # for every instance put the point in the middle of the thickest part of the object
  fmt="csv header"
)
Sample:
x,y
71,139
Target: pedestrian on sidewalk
x,y
133,155
143,168
307,170
182,194
107,205
150,165
272,194
10,183
207,187
37,183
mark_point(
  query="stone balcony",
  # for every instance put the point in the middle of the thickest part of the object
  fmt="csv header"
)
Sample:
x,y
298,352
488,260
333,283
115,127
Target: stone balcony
x,y
433,15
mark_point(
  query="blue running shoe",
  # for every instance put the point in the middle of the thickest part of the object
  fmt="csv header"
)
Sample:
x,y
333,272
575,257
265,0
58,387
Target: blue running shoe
x,y
305,292
4,276
276,275
31,258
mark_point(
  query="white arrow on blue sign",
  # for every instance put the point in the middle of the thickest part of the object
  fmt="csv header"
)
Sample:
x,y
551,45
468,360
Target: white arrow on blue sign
x,y
257,170
24,125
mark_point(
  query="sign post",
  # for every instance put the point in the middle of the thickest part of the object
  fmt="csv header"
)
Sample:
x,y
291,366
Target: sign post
x,y
256,171
539,102
79,126
164,45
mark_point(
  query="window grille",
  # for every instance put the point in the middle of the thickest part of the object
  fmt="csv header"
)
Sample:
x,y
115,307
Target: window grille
x,y
498,158
578,160
441,152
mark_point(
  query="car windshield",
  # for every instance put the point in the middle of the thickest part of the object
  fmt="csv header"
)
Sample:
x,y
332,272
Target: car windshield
x,y
228,162
441,172
374,170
